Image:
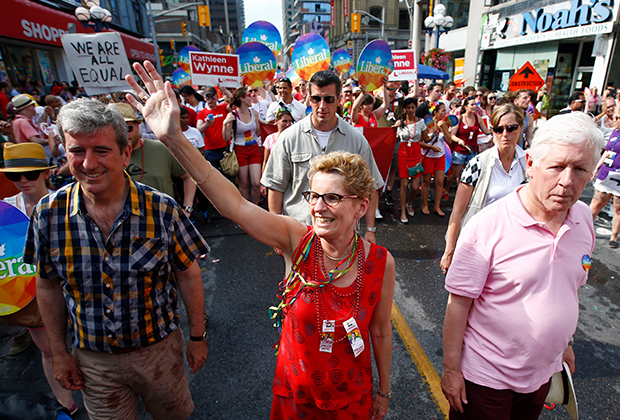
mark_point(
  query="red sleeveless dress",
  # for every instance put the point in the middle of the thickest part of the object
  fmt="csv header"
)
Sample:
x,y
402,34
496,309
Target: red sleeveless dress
x,y
309,380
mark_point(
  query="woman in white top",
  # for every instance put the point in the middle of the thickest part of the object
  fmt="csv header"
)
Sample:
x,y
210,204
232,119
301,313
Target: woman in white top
x,y
243,126
192,99
489,176
605,120
284,119
26,166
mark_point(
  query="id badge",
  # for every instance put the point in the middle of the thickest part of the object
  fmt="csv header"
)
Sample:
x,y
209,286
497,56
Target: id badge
x,y
609,160
327,336
354,335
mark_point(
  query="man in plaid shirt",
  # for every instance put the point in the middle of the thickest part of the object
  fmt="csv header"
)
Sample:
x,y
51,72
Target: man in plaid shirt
x,y
113,254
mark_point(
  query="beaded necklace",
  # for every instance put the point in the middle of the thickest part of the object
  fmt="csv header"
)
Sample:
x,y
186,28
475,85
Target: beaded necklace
x,y
321,314
295,278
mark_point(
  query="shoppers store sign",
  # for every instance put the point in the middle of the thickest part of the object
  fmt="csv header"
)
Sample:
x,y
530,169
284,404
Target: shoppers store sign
x,y
571,19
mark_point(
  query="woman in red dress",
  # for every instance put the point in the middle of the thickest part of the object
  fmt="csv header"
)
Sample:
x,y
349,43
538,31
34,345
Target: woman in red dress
x,y
338,295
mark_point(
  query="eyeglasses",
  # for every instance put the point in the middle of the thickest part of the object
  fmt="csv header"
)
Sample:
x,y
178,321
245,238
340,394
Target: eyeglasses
x,y
17,176
347,92
130,126
252,90
478,94
391,89
579,100
316,99
210,96
283,111
490,98
509,128
331,199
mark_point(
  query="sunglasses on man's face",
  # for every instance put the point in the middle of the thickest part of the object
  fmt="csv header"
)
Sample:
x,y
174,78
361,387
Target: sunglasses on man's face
x,y
17,176
316,99
509,128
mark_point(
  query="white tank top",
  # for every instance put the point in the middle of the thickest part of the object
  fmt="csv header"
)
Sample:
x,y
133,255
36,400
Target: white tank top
x,y
245,134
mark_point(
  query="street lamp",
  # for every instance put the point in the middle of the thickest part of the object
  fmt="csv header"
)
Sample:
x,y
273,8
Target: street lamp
x,y
439,23
95,16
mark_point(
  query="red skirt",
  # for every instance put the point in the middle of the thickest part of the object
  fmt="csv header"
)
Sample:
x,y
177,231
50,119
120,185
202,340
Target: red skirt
x,y
408,157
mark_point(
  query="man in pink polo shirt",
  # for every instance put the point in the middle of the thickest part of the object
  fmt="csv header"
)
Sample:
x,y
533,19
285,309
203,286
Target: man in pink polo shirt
x,y
514,281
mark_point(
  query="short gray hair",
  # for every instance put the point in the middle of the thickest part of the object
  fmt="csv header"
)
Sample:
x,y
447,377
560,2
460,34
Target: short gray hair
x,y
89,116
576,129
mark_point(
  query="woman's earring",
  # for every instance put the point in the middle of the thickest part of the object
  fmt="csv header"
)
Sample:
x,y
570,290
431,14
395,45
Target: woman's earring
x,y
358,225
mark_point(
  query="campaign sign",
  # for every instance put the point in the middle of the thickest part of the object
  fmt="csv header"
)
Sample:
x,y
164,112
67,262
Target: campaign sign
x,y
265,33
257,63
17,280
311,54
210,69
375,62
184,62
181,78
99,61
292,75
404,65
342,61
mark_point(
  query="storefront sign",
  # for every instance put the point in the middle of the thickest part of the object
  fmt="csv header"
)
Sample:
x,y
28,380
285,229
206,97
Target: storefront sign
x,y
526,78
210,69
570,19
404,65
99,61
333,14
30,21
459,66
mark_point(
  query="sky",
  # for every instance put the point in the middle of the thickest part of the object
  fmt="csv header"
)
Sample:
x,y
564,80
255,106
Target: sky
x,y
269,10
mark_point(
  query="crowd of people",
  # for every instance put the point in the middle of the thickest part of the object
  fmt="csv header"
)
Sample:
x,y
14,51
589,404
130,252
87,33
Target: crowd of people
x,y
147,162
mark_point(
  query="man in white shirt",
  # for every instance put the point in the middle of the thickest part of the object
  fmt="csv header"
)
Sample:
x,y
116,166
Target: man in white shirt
x,y
285,100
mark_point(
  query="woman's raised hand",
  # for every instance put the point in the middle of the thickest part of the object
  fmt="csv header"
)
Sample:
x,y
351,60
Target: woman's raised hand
x,y
159,105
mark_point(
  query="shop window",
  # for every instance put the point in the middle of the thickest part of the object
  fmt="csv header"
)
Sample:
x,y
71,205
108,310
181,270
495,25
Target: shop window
x,y
586,59
459,10
376,12
138,16
403,19
22,62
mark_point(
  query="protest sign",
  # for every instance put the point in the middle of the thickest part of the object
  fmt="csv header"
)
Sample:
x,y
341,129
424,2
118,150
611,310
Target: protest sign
x,y
99,61
311,54
183,59
374,63
211,69
181,78
17,280
265,33
404,65
342,61
256,62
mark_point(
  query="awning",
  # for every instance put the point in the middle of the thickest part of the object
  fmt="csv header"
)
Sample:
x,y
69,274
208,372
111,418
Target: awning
x,y
427,72
30,21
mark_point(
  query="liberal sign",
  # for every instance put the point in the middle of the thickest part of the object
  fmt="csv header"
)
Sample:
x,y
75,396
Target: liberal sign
x,y
404,65
210,69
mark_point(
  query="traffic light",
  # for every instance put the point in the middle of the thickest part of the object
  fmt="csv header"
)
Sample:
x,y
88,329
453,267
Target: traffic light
x,y
161,57
172,44
184,29
228,49
204,18
355,22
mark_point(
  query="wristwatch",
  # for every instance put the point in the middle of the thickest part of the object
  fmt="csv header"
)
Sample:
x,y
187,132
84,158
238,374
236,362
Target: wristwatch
x,y
188,209
202,337
371,229
388,395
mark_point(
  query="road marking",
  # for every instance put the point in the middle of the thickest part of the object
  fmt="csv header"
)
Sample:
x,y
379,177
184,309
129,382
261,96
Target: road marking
x,y
424,365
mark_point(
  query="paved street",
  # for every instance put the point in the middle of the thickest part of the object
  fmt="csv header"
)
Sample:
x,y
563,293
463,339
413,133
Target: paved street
x,y
240,278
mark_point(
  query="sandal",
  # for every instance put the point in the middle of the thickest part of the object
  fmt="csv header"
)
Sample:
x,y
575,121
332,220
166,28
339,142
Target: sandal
x,y
410,210
404,220
425,211
439,212
613,244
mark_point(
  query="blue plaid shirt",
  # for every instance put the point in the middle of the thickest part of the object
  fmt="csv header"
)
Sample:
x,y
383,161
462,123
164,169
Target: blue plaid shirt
x,y
120,292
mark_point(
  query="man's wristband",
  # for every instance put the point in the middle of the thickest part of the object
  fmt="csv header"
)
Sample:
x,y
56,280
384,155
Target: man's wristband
x,y
371,229
202,337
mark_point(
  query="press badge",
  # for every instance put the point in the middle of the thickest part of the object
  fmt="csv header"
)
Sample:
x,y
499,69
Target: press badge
x,y
609,160
354,335
327,336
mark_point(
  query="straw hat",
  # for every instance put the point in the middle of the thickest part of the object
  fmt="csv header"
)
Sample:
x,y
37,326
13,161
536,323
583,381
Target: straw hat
x,y
24,157
562,391
21,101
126,112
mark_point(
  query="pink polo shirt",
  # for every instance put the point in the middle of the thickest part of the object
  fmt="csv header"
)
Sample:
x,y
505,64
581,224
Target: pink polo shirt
x,y
24,129
524,281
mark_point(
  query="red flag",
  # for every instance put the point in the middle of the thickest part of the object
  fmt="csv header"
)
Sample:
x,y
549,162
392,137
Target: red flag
x,y
381,142
266,130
